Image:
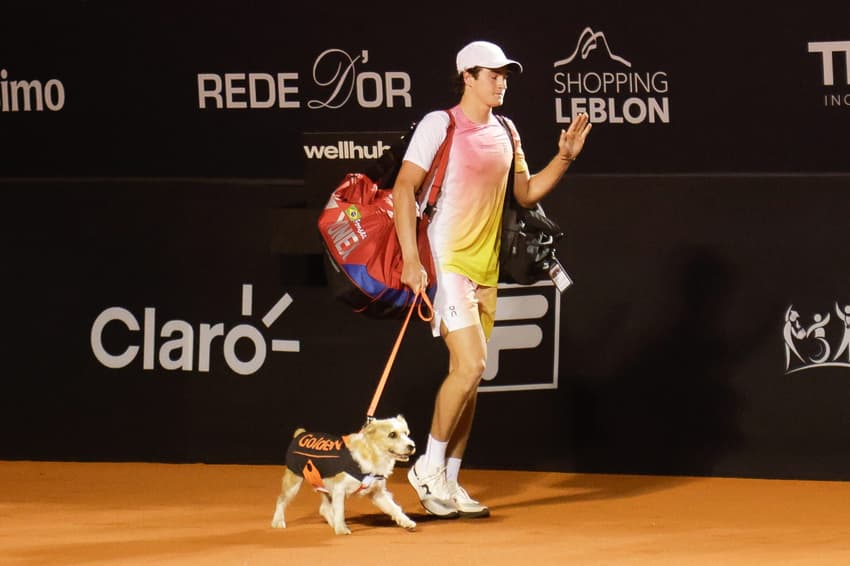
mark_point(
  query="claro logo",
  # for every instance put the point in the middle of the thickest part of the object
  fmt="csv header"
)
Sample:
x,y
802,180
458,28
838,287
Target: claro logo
x,y
182,350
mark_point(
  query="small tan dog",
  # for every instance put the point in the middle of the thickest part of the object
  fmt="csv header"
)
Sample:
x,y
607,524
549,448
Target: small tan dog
x,y
341,466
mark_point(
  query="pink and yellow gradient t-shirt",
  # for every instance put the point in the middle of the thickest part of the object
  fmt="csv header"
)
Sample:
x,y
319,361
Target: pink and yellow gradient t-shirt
x,y
466,228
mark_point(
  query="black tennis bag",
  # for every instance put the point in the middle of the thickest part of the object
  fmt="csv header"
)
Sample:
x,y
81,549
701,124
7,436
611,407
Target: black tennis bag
x,y
529,241
529,244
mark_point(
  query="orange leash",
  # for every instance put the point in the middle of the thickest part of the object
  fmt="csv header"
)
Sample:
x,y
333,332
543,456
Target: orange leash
x,y
418,301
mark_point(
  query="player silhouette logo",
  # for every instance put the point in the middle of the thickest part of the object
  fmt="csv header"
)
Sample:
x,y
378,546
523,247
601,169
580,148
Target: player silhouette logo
x,y
809,345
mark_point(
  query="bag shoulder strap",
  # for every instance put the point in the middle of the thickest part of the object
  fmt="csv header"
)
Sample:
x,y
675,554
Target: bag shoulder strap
x,y
438,167
548,226
510,184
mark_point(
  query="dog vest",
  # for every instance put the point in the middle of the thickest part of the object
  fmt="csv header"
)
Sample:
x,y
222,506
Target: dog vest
x,y
317,455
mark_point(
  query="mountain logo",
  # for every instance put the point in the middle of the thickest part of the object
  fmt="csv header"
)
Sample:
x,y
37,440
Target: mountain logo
x,y
587,42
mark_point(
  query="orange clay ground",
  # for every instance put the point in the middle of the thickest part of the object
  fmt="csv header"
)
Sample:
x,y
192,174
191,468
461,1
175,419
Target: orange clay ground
x,y
123,513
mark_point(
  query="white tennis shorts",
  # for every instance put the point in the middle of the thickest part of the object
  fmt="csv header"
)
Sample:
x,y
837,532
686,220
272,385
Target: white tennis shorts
x,y
460,302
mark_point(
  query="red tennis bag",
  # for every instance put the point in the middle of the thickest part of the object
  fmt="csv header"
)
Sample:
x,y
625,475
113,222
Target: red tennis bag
x,y
359,237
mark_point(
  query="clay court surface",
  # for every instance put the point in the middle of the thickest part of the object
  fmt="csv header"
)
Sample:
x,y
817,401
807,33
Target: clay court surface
x,y
126,513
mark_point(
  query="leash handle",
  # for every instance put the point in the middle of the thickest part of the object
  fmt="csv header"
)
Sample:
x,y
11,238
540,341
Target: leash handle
x,y
420,299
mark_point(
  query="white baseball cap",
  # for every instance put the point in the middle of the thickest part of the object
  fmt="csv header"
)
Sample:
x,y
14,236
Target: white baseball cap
x,y
484,54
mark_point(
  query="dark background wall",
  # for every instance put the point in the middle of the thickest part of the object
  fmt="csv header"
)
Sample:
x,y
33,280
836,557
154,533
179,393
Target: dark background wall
x,y
690,236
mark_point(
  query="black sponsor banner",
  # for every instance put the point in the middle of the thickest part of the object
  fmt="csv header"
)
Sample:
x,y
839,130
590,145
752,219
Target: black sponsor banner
x,y
705,333
209,90
330,156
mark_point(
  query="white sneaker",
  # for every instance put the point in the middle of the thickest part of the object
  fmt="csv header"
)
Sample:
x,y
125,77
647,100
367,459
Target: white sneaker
x,y
433,491
466,506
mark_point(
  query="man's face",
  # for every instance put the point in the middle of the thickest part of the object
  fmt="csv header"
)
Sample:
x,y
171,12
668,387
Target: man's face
x,y
490,86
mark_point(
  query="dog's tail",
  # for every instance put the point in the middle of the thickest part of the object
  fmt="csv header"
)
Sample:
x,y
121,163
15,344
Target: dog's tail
x,y
298,431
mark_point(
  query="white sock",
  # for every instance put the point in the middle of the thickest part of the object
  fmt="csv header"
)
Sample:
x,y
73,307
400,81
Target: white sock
x,y
452,469
435,454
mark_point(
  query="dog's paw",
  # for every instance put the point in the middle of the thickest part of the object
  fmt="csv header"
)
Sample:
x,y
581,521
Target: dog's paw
x,y
342,530
279,524
407,523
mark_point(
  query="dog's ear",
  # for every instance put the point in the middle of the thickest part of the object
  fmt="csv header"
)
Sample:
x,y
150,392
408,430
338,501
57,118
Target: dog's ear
x,y
401,418
368,427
